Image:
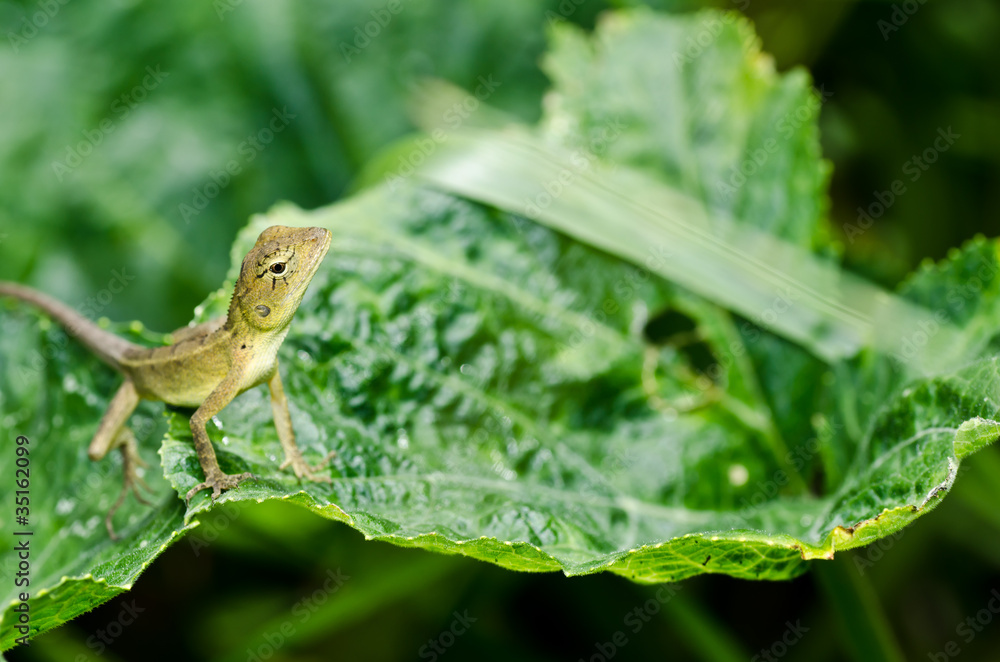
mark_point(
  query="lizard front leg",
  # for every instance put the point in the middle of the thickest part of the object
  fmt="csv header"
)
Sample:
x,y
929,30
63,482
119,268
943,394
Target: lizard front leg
x,y
212,405
286,434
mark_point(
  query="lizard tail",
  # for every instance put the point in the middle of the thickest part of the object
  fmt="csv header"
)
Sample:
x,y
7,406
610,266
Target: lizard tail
x,y
106,345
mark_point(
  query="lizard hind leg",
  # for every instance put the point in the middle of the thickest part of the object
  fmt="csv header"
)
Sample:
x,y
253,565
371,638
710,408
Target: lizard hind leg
x,y
112,433
131,480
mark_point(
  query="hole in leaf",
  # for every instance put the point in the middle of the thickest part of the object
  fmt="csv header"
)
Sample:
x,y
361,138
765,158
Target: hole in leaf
x,y
667,324
672,327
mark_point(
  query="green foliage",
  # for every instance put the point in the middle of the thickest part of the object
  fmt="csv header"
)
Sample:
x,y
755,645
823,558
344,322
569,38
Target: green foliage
x,y
659,94
493,388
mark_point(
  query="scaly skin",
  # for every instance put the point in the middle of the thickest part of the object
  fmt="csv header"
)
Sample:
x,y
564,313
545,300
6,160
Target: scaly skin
x,y
209,364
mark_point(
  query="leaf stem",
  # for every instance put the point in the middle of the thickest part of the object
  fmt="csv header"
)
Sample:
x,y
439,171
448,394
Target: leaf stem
x,y
710,640
866,631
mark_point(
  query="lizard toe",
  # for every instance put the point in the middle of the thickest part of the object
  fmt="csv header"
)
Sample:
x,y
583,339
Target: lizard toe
x,y
194,490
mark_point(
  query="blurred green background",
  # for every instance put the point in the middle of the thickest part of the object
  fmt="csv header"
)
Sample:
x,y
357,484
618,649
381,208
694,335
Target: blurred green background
x,y
117,120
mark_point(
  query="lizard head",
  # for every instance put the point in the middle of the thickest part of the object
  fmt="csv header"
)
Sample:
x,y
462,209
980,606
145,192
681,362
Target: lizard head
x,y
276,273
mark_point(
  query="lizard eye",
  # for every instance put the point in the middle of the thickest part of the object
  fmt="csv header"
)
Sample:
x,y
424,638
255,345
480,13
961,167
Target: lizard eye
x,y
277,268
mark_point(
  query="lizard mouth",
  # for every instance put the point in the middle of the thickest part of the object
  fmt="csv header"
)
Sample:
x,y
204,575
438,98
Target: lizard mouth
x,y
318,242
322,237
325,237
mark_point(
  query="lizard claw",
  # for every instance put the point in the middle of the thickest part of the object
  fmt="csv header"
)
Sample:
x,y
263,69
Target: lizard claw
x,y
219,482
303,470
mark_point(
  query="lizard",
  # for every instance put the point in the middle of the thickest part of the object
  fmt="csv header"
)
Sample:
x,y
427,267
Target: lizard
x,y
207,365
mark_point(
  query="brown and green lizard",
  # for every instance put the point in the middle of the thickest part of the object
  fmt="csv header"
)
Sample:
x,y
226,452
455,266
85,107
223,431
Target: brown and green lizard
x,y
209,364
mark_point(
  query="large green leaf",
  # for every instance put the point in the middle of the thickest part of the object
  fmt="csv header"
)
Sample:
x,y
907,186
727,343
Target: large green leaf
x,y
693,101
480,403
